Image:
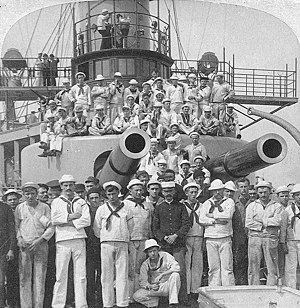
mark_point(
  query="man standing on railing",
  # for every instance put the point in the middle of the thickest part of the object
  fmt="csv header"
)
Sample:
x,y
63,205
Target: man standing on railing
x,y
221,92
104,28
80,93
53,61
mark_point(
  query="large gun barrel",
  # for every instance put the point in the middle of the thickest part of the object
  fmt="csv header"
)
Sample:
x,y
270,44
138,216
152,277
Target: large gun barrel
x,y
123,161
258,154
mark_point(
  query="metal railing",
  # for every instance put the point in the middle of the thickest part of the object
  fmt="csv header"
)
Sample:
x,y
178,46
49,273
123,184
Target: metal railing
x,y
154,36
248,82
32,74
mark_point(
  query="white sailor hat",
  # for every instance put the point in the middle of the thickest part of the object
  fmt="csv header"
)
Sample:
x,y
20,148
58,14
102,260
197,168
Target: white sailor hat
x,y
174,77
133,81
99,107
153,182
144,121
230,186
65,80
296,188
134,182
166,100
99,77
162,161
230,105
194,134
171,139
66,178
185,105
282,189
117,74
51,101
129,95
61,108
192,75
220,74
216,184
30,185
174,124
192,184
207,109
263,184
11,191
112,183
182,78
146,82
185,161
153,140
80,73
170,184
104,11
199,157
159,92
157,79
150,243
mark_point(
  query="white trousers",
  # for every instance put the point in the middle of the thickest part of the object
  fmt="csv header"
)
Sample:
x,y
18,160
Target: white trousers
x,y
220,262
64,251
194,263
292,258
150,298
114,265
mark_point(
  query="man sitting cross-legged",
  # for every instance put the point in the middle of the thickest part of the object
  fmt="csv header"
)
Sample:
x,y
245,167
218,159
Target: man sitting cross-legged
x,y
159,276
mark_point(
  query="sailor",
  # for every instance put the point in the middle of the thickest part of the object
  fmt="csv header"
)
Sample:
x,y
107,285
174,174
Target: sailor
x,y
100,123
132,90
229,190
162,167
113,225
216,215
194,240
208,124
54,190
104,28
80,93
168,116
154,191
115,96
122,121
185,175
142,214
171,224
203,94
263,219
191,94
63,97
34,229
78,124
99,91
220,94
70,215
292,238
159,276
196,148
171,155
174,132
91,182
175,94
199,165
187,122
231,123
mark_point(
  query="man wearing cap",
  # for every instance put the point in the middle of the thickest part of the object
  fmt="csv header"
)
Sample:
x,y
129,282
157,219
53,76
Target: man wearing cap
x,y
231,123
171,224
80,190
263,220
132,90
171,155
146,103
221,92
229,190
291,236
122,121
113,225
115,96
38,69
91,182
208,124
162,167
216,216
100,123
185,176
42,195
53,62
158,87
196,148
70,215
240,238
34,229
154,191
194,240
191,93
78,124
141,213
99,91
175,94
80,93
93,263
129,101
199,165
146,89
203,94
159,276
187,122
174,132
168,116
104,28
54,190
7,250
149,161
63,97
157,126
199,178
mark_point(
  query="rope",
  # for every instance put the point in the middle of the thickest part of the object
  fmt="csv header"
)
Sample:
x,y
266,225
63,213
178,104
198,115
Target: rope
x,y
35,26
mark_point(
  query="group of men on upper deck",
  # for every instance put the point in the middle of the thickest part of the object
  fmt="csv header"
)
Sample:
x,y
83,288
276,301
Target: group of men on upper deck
x,y
160,108
159,239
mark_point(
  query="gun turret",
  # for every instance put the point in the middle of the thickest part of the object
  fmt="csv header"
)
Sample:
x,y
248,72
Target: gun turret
x,y
123,161
258,154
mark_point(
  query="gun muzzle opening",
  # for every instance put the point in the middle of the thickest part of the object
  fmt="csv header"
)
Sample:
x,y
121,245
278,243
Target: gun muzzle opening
x,y
135,143
272,148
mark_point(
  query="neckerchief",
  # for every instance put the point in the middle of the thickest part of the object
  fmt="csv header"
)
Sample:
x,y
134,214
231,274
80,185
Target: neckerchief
x,y
295,215
216,204
136,201
100,123
193,213
81,89
113,212
70,204
184,181
186,119
160,263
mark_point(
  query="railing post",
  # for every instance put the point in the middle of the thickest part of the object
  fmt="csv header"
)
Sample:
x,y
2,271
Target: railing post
x,y
253,85
233,71
169,34
295,77
266,85
286,81
246,84
158,29
74,33
273,83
